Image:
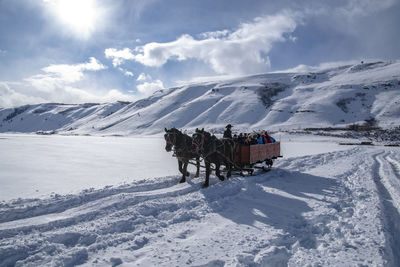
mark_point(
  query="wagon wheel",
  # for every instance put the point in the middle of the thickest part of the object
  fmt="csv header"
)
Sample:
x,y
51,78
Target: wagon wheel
x,y
269,163
251,169
266,169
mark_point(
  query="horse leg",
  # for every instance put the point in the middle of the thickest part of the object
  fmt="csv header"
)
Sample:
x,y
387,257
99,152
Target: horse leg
x,y
185,167
180,166
208,171
198,167
218,173
184,172
229,173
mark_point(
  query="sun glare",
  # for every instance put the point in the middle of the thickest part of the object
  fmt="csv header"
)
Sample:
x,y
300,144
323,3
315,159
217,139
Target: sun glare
x,y
80,16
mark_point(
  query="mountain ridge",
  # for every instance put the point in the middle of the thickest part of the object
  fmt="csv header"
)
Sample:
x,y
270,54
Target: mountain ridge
x,y
330,97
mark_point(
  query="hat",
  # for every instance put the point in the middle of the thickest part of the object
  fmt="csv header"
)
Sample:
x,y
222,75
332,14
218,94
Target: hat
x,y
228,126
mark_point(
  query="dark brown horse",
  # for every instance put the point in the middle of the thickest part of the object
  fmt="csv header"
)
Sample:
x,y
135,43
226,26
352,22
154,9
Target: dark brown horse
x,y
184,150
216,151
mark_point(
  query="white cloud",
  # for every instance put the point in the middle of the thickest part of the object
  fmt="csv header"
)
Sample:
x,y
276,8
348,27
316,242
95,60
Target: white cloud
x,y
60,83
11,98
126,72
61,74
143,77
119,56
239,52
73,73
216,34
147,88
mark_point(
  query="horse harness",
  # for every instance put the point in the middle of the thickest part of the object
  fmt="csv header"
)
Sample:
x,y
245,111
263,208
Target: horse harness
x,y
174,142
214,149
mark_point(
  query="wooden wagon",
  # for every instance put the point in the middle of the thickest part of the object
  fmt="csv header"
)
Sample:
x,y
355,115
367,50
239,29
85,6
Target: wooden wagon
x,y
249,157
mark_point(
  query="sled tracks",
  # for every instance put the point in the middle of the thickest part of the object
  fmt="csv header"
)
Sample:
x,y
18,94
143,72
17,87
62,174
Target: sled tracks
x,y
102,220
387,180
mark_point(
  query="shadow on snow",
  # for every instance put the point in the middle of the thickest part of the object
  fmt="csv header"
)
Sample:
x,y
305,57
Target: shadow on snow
x,y
277,199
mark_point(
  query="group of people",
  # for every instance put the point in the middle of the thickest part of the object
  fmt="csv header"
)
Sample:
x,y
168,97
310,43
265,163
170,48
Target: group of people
x,y
248,139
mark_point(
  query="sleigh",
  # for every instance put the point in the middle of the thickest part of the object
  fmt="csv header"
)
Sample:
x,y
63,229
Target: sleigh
x,y
249,157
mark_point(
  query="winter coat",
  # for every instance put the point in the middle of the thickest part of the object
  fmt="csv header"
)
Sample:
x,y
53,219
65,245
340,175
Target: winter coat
x,y
228,133
260,140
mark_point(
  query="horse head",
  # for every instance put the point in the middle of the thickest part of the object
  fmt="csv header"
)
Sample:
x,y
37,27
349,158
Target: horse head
x,y
170,137
199,138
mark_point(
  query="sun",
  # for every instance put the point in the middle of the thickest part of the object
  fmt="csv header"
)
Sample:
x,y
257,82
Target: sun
x,y
79,16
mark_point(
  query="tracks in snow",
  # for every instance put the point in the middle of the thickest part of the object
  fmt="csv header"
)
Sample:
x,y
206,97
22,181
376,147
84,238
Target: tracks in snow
x,y
297,214
387,180
28,208
110,218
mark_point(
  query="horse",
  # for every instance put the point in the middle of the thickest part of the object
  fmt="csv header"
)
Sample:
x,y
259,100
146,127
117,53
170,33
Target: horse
x,y
214,150
184,150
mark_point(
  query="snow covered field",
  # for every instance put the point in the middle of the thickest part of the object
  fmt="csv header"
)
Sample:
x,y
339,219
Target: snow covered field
x,y
322,204
36,166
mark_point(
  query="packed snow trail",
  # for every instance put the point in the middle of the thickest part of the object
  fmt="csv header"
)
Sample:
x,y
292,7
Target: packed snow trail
x,y
328,209
388,183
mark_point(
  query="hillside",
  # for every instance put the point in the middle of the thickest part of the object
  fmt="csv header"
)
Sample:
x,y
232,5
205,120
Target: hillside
x,y
339,96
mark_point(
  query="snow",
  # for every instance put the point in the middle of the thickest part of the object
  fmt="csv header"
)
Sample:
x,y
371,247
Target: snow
x,y
329,97
322,205
95,187
32,162
37,165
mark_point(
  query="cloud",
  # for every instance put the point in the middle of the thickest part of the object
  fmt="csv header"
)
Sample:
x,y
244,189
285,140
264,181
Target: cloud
x,y
242,51
73,73
148,88
215,34
60,83
11,98
143,77
147,85
366,7
119,56
61,74
126,72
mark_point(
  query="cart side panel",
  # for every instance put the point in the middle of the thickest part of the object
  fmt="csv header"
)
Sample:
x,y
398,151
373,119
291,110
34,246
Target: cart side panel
x,y
273,150
257,153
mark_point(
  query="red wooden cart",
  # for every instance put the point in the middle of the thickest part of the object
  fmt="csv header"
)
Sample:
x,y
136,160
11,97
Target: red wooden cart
x,y
247,156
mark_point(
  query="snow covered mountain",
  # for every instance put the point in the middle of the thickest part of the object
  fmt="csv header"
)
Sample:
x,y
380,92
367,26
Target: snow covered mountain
x,y
338,96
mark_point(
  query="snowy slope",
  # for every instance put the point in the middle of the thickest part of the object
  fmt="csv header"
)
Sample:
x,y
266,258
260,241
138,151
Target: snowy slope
x,y
334,209
326,97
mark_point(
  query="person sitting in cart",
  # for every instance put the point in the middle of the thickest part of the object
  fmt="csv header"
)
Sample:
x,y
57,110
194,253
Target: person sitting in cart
x,y
228,132
268,139
260,139
253,139
241,139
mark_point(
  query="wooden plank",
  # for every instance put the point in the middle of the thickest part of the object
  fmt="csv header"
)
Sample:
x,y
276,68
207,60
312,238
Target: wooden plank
x,y
250,154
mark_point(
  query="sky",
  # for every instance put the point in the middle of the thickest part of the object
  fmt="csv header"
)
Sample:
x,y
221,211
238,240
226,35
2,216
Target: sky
x,y
80,51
